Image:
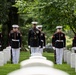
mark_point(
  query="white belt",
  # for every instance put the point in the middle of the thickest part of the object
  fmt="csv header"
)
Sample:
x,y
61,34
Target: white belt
x,y
14,40
59,40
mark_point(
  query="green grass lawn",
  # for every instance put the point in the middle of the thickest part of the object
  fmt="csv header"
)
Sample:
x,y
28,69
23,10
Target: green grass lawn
x,y
4,70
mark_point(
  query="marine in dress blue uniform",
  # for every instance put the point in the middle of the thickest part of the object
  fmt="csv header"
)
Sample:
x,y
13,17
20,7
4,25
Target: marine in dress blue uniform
x,y
74,44
59,43
15,43
42,39
34,39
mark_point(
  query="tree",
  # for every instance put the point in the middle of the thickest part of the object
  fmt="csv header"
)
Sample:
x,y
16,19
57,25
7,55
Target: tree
x,y
8,17
50,13
3,20
3,11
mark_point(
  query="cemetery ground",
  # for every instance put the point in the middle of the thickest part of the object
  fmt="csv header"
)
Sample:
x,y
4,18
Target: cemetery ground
x,y
4,70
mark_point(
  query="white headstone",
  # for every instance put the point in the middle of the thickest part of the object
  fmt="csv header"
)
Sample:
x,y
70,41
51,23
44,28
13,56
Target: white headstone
x,y
68,57
1,58
5,56
73,49
38,71
37,57
75,63
36,54
65,55
72,60
36,65
36,62
8,49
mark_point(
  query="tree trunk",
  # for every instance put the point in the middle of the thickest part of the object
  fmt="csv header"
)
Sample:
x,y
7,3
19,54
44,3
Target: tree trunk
x,y
12,19
4,36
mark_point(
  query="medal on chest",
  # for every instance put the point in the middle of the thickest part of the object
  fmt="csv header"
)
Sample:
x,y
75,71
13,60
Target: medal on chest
x,y
61,35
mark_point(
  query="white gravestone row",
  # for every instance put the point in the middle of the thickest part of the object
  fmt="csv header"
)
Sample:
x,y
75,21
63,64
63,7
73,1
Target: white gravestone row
x,y
5,56
36,59
1,58
73,59
70,58
75,63
9,53
37,65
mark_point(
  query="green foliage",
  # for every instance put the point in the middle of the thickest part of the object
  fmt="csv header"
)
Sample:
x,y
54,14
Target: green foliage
x,y
0,28
4,5
4,36
68,42
8,68
24,30
50,13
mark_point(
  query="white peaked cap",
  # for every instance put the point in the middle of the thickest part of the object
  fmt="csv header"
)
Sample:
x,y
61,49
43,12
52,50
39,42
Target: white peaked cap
x,y
59,27
39,26
15,26
34,22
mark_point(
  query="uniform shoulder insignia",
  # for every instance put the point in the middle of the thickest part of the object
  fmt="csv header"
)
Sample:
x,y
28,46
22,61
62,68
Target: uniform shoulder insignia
x,y
63,32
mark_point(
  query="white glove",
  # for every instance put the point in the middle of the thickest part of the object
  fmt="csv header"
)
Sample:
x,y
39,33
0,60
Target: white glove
x,y
43,47
39,46
53,48
28,46
64,48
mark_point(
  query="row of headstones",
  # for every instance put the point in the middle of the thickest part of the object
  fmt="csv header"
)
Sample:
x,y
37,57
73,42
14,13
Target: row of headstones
x,y
70,58
37,65
5,56
34,65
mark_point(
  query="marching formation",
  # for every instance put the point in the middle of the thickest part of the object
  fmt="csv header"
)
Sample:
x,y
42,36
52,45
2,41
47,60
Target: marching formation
x,y
37,42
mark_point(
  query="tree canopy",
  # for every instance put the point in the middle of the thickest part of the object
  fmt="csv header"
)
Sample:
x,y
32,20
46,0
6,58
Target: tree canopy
x,y
50,13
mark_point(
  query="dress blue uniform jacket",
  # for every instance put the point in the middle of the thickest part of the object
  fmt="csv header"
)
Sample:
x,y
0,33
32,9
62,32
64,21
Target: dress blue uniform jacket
x,y
59,40
42,39
74,42
34,37
15,39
